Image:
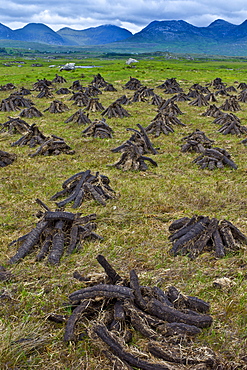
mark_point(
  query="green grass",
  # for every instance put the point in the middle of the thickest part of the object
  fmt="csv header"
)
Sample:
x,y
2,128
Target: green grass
x,y
134,225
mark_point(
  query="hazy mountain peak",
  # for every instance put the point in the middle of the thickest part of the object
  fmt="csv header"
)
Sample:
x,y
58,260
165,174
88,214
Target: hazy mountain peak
x,y
220,23
95,35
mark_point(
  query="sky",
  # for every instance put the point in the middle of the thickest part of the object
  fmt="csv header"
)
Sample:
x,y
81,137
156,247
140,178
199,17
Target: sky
x,y
133,15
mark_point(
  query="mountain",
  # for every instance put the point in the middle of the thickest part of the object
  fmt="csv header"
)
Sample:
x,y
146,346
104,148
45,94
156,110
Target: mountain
x,y
38,32
169,31
220,37
239,33
220,29
95,35
181,31
175,36
5,32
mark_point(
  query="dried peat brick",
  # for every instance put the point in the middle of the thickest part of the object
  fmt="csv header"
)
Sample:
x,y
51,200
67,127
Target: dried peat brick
x,y
132,158
110,310
115,110
32,138
213,158
53,145
79,117
140,139
98,128
199,234
54,235
30,113
132,84
85,186
59,79
57,106
197,142
15,125
163,123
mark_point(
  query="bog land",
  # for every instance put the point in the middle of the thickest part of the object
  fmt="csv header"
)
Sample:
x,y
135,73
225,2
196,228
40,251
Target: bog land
x,y
134,225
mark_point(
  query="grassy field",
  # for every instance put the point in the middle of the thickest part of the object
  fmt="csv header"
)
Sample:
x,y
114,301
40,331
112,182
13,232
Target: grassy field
x,y
134,225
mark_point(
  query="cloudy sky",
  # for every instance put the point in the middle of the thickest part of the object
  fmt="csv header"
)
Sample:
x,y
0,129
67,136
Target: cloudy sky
x,y
131,14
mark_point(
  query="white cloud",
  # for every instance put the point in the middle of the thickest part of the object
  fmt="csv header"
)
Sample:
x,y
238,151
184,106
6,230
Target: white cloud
x,y
133,15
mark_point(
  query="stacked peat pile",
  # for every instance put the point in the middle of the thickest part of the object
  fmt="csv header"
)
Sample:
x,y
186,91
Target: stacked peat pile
x,y
213,111
115,110
132,158
200,101
142,94
213,158
8,86
233,127
140,139
76,85
199,89
242,86
6,158
15,125
169,106
41,84
99,129
217,84
56,233
45,93
59,79
79,117
156,100
225,118
192,236
242,97
92,90
222,92
181,97
53,145
85,186
230,124
99,81
94,105
14,102
57,106
7,105
211,98
24,91
231,104
193,93
163,122
231,89
170,86
32,138
63,91
30,113
80,98
123,100
110,87
132,84
197,142
114,308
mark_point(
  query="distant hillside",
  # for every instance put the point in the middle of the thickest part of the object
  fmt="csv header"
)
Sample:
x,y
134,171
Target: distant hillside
x,y
38,32
175,36
94,36
170,31
5,32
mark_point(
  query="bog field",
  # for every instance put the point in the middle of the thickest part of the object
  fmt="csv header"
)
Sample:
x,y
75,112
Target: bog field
x,y
43,323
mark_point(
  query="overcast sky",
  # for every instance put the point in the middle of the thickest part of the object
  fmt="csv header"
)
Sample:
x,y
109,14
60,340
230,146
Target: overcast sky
x,y
131,14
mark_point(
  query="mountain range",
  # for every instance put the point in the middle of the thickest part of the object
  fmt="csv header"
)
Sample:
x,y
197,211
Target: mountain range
x,y
220,36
